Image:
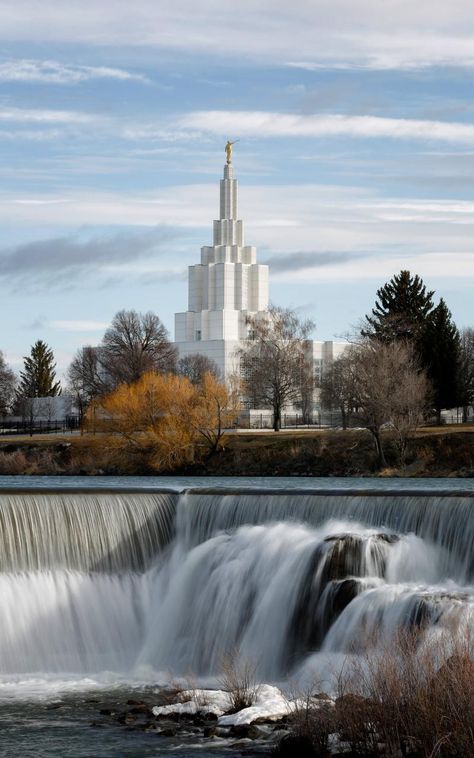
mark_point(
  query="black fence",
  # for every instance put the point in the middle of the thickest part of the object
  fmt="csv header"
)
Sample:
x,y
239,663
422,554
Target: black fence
x,y
288,421
67,425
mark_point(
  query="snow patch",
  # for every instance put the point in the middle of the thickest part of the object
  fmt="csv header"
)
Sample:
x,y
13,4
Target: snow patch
x,y
195,702
270,704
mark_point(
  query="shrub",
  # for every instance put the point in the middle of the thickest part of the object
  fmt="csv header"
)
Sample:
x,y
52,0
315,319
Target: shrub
x,y
14,463
239,678
411,697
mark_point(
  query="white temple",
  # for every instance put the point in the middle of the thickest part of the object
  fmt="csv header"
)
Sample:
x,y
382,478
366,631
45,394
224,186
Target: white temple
x,y
227,286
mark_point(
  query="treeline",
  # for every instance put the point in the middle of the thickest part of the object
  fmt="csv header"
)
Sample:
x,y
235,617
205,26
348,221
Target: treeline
x,y
133,345
407,362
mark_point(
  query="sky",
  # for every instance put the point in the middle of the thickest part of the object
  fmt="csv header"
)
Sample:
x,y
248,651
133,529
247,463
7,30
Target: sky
x,y
355,121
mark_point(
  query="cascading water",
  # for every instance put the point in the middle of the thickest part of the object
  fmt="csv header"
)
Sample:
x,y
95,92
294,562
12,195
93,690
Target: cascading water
x,y
86,532
134,582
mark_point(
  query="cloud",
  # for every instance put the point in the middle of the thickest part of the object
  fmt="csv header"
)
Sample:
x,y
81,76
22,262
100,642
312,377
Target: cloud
x,y
265,124
329,33
280,263
54,72
38,323
77,325
41,116
68,260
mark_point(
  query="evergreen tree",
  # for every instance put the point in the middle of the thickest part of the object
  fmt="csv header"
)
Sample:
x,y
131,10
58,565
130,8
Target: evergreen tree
x,y
38,378
402,307
442,357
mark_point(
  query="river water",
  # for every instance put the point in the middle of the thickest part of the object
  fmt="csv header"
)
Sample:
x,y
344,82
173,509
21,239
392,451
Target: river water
x,y
110,587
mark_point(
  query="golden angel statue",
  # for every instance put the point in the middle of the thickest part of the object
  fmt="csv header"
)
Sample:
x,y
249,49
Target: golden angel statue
x,y
228,150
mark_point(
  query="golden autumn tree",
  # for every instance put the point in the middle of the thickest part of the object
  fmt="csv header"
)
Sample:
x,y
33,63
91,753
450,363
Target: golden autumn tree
x,y
215,410
149,420
160,419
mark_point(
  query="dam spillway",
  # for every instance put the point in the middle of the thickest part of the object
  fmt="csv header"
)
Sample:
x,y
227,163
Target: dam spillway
x,y
130,580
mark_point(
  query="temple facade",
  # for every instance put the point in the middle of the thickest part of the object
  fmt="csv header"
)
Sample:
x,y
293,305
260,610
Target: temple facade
x,y
226,287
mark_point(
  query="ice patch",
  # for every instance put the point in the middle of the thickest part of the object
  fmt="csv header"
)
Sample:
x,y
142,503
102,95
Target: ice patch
x,y
196,702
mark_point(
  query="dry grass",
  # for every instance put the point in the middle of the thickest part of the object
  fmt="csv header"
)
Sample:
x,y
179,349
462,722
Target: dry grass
x,y
239,678
414,697
445,451
14,464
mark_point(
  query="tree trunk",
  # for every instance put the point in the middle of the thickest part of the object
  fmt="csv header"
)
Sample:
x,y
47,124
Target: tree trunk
x,y
344,418
438,416
276,418
381,462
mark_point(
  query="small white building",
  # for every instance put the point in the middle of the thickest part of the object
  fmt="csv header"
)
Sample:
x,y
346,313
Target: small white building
x,y
226,287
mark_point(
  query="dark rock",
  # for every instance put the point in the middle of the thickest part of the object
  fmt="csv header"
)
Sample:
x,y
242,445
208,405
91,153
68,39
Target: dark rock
x,y
106,712
168,732
210,731
150,727
273,720
135,702
292,746
126,718
248,731
141,709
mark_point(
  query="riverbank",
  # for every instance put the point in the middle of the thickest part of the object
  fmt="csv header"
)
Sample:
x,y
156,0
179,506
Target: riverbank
x,y
433,452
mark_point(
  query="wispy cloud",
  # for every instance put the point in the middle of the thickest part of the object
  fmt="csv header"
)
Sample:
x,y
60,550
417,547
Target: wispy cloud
x,y
54,72
297,261
42,116
68,260
405,36
274,124
79,325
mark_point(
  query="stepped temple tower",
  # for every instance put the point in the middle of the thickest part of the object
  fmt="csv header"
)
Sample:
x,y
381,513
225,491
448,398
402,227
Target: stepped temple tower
x,y
224,288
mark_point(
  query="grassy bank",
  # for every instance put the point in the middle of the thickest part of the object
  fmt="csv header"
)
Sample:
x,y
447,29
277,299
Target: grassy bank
x,y
443,451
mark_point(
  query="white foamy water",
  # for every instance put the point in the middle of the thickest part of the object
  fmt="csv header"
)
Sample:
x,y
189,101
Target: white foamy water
x,y
102,589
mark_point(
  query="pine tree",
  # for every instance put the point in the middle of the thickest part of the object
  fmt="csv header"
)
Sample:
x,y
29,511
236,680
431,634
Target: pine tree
x,y
441,354
401,310
38,378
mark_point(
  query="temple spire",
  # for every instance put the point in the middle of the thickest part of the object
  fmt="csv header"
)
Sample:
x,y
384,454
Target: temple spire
x,y
228,230
228,199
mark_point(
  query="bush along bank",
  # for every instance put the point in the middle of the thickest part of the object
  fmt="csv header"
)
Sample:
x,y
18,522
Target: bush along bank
x,y
318,453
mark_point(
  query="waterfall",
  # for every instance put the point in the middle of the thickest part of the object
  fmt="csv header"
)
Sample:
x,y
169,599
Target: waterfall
x,y
445,521
125,582
85,532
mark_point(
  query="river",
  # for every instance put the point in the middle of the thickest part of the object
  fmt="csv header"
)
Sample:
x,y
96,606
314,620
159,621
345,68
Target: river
x,y
110,587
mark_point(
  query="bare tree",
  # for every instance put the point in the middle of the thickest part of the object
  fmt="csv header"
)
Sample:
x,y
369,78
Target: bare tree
x,y
195,366
8,383
273,359
338,388
305,401
467,371
390,389
88,377
134,344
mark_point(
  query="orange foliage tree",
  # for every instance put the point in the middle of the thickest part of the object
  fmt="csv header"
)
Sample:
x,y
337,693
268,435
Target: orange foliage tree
x,y
161,418
216,408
